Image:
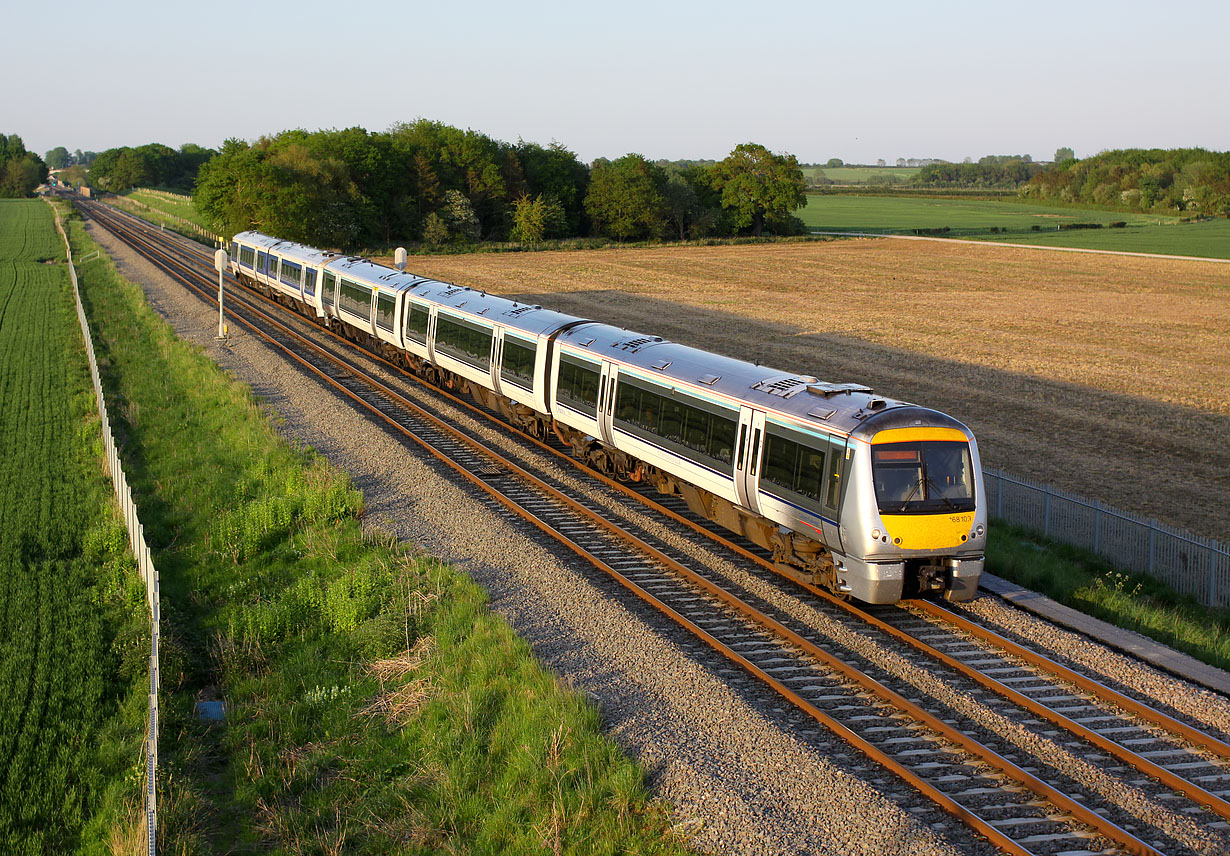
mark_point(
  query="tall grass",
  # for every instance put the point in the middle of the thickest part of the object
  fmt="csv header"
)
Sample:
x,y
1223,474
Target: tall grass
x,y
373,703
1088,583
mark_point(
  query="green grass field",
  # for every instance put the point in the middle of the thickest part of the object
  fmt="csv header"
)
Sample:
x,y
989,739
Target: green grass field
x,y
156,204
75,645
861,174
374,704
1015,222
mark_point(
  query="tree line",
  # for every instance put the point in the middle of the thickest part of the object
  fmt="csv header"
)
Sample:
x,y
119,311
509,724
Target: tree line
x,y
434,183
151,165
1161,180
20,171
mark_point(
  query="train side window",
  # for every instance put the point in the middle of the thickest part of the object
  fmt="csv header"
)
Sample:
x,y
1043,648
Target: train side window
x,y
678,420
465,340
518,362
795,467
356,299
578,384
416,323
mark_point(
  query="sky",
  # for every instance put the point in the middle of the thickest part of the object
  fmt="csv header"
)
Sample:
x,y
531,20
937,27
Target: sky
x,y
674,80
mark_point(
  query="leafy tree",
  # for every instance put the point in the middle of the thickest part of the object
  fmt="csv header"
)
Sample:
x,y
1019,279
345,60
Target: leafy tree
x,y
833,163
757,185
458,213
625,198
537,218
20,171
435,230
58,158
1063,153
683,208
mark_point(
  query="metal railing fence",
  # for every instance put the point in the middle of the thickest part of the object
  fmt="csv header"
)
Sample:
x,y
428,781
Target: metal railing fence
x,y
1188,563
140,550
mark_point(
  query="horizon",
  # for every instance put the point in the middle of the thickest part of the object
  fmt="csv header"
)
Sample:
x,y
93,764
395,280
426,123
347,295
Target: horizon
x,y
677,82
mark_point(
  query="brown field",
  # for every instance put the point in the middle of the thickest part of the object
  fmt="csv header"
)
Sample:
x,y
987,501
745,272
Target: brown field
x,y
1104,375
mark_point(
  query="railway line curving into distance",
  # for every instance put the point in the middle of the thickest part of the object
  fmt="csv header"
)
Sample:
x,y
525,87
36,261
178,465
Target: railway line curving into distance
x,y
1037,756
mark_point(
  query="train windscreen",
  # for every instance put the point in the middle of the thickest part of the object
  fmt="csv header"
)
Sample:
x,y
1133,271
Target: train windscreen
x,y
927,476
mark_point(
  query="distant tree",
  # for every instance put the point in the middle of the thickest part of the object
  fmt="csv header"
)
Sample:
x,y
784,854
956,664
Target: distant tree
x,y
757,185
625,198
1063,153
682,206
20,171
538,217
58,158
458,213
900,161
880,162
435,230
833,163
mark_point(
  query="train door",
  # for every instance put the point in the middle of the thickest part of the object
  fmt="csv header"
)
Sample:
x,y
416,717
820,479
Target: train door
x,y
606,402
749,449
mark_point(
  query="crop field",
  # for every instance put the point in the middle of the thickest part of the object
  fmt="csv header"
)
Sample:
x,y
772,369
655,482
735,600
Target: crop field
x,y
70,652
1015,222
1103,375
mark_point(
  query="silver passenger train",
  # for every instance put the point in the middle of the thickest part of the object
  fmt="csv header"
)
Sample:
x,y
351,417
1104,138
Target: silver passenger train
x,y
867,496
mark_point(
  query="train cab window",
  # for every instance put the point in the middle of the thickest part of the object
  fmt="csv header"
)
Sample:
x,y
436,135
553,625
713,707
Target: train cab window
x,y
923,477
355,299
330,288
386,308
517,365
464,340
416,322
309,282
578,384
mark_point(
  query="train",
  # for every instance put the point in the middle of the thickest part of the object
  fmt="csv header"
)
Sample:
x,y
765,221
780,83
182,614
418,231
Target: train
x,y
870,497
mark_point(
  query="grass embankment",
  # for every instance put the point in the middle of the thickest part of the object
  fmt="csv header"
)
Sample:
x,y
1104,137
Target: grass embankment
x,y
1088,583
74,652
1017,221
373,704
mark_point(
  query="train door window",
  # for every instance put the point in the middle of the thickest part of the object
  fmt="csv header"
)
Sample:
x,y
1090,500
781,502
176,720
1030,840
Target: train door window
x,y
837,455
273,267
518,363
416,323
330,287
578,383
386,308
309,282
262,262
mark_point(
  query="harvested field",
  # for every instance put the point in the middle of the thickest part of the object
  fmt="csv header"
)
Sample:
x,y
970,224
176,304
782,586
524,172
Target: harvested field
x,y
1103,375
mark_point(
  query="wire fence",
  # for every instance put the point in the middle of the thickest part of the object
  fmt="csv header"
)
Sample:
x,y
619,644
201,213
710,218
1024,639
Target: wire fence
x,y
1189,564
140,550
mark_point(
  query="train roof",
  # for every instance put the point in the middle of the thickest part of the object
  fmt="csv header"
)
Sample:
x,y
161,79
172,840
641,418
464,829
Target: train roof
x,y
288,249
515,315
832,407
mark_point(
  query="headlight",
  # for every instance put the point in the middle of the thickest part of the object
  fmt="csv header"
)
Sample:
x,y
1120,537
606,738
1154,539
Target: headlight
x,y
875,534
979,529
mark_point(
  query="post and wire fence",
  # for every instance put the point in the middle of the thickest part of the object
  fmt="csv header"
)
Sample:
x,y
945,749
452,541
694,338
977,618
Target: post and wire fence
x,y
1190,564
140,550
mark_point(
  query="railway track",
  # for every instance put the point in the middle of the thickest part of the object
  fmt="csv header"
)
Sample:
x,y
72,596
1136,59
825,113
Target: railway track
x,y
1144,782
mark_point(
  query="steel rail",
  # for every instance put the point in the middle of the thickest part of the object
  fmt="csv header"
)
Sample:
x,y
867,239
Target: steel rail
x,y
1092,819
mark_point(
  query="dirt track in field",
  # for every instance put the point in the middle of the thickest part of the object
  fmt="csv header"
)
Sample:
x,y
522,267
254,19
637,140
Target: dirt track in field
x,y
1108,376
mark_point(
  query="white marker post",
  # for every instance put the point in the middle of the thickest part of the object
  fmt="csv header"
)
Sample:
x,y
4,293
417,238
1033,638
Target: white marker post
x,y
220,260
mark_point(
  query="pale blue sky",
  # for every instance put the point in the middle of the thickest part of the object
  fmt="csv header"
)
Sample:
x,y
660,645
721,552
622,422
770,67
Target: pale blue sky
x,y
858,81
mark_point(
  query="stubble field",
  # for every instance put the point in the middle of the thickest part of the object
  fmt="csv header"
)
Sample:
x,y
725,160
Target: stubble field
x,y
1107,376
